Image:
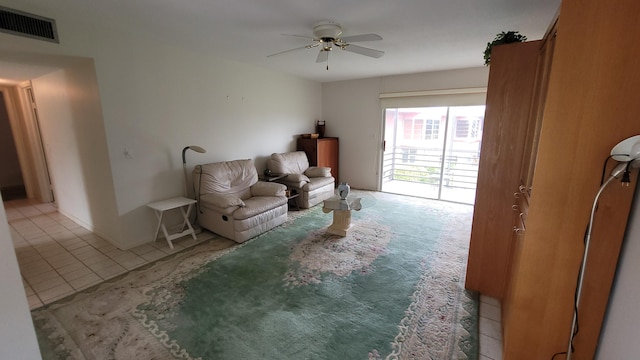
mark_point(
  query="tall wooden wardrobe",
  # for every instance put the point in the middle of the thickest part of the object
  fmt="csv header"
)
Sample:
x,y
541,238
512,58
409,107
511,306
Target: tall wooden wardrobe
x,y
555,109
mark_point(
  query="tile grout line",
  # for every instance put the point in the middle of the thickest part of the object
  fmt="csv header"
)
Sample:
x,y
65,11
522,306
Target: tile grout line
x,y
24,227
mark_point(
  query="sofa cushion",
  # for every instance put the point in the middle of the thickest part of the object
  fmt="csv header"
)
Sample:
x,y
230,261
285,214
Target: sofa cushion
x,y
229,177
295,162
315,171
257,205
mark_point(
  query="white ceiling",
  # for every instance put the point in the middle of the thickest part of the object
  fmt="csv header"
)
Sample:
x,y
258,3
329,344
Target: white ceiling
x,y
418,35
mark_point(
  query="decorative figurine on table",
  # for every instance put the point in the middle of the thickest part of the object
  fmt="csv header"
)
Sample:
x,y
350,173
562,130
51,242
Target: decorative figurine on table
x,y
343,190
341,208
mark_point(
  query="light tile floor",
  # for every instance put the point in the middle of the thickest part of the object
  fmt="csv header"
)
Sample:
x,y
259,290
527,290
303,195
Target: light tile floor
x,y
490,329
58,257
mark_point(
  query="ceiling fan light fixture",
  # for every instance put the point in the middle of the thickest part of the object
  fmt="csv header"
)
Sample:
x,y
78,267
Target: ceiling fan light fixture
x,y
327,44
327,29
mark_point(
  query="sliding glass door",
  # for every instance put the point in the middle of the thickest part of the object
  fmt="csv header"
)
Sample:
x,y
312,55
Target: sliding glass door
x,y
432,152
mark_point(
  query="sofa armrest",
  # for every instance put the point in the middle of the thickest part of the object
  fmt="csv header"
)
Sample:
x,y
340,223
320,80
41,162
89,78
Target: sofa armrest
x,y
318,171
297,180
222,200
263,188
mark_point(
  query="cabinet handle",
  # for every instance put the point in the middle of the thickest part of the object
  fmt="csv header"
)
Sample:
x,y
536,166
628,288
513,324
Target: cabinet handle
x,y
516,195
522,220
514,207
522,188
517,230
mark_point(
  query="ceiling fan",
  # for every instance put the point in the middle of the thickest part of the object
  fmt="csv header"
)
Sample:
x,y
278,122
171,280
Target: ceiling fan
x,y
326,36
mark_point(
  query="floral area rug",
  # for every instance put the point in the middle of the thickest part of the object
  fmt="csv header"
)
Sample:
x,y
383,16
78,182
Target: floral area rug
x,y
393,288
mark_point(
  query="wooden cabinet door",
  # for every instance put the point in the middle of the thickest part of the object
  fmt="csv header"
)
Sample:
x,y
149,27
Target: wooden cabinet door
x,y
322,152
520,209
328,155
524,192
537,109
509,94
310,147
588,110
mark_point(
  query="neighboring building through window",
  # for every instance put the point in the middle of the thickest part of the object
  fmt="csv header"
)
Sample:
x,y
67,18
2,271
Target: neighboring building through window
x,y
421,129
467,128
432,129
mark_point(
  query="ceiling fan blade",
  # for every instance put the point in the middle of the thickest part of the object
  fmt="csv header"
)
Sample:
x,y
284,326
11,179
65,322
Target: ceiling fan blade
x,y
323,56
294,49
363,51
363,37
290,50
300,36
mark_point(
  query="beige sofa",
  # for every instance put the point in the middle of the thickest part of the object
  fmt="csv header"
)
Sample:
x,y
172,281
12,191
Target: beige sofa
x,y
314,184
234,204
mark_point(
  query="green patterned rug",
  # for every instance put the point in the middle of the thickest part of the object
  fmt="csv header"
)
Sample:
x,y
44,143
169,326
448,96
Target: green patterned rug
x,y
392,289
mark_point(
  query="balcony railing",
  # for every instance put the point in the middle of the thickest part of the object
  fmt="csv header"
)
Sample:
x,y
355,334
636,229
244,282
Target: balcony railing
x,y
459,170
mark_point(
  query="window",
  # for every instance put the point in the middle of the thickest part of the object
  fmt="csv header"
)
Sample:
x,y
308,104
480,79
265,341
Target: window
x,y
467,128
420,129
412,129
462,128
432,129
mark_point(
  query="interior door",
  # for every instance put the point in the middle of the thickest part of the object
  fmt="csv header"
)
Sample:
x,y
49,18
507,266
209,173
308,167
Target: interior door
x,y
37,145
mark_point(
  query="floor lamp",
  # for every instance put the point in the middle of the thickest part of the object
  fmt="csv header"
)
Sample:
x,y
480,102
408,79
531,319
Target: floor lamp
x,y
184,164
627,153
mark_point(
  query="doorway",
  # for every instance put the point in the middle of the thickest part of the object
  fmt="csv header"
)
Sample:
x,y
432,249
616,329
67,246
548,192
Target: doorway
x,y
432,152
24,168
11,182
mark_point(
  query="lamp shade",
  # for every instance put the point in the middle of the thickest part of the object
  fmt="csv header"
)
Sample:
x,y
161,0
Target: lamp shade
x,y
635,151
627,149
194,148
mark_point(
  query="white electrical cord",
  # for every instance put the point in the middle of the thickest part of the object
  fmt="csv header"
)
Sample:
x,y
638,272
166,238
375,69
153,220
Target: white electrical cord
x,y
614,174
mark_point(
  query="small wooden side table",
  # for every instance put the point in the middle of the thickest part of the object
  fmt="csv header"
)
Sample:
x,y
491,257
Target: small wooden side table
x,y
292,194
292,197
160,207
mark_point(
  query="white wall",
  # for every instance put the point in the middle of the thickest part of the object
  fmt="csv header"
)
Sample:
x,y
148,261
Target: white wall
x,y
72,128
17,336
353,112
112,89
622,322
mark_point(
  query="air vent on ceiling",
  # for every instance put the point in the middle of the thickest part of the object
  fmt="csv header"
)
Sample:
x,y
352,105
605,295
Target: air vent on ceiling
x,y
24,24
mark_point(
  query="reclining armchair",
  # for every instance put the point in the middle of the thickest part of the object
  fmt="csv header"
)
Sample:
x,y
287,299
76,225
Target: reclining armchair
x,y
234,204
314,184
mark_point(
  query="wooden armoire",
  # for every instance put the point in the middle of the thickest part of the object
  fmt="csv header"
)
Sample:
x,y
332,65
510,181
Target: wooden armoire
x,y
322,152
555,109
